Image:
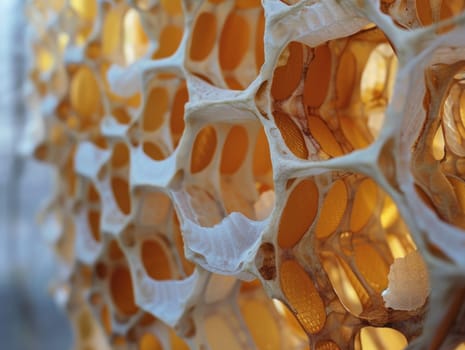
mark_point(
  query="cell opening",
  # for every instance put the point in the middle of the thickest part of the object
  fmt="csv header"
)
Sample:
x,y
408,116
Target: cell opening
x,y
203,149
121,291
155,260
379,338
135,41
203,36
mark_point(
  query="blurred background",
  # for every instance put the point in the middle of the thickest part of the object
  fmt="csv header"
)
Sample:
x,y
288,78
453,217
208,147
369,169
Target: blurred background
x,y
29,318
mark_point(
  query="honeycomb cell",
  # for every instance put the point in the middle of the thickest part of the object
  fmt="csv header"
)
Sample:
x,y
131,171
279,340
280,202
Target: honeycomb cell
x,y
149,342
291,134
120,156
372,266
365,200
203,149
155,108
348,288
318,78
155,261
170,38
234,150
345,78
122,291
84,95
302,296
135,40
298,214
111,37
232,51
114,251
120,189
288,73
87,9
323,135
332,210
172,7
153,151
380,338
203,36
262,324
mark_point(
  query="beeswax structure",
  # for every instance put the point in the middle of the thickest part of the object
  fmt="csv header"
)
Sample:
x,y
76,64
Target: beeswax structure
x,y
237,174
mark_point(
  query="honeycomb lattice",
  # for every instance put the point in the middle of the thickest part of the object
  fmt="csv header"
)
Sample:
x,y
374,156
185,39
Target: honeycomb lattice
x,y
254,175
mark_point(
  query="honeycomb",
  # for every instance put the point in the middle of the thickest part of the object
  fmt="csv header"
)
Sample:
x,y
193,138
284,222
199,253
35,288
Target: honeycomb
x,y
237,174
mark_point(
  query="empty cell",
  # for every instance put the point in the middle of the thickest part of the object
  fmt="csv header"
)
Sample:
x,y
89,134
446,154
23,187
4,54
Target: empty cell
x,y
121,291
120,155
332,210
121,195
380,338
135,39
169,40
288,74
85,95
232,50
86,9
345,78
114,250
172,7
153,151
155,260
262,324
234,150
203,36
372,266
203,149
364,204
355,132
324,136
155,108
112,40
318,77
149,342
298,214
344,282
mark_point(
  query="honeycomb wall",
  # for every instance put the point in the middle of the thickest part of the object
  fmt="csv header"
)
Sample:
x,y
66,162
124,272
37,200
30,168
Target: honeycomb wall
x,y
254,175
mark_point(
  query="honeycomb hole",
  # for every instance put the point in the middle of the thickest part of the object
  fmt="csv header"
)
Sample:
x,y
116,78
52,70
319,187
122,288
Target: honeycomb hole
x,y
155,260
121,291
